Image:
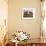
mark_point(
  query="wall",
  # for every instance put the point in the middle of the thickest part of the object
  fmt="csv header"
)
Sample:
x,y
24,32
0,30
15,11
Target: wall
x,y
17,23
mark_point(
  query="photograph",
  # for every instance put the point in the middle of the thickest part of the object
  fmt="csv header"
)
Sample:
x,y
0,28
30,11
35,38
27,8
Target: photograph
x,y
28,13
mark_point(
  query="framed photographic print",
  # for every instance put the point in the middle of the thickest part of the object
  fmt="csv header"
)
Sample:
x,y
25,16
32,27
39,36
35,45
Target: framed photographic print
x,y
28,13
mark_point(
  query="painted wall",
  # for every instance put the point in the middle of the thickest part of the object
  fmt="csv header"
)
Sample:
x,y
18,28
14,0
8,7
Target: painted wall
x,y
31,26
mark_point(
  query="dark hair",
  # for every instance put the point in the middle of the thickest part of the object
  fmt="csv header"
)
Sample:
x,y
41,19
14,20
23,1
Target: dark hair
x,y
41,0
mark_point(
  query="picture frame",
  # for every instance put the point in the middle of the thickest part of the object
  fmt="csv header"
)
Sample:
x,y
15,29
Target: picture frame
x,y
28,13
